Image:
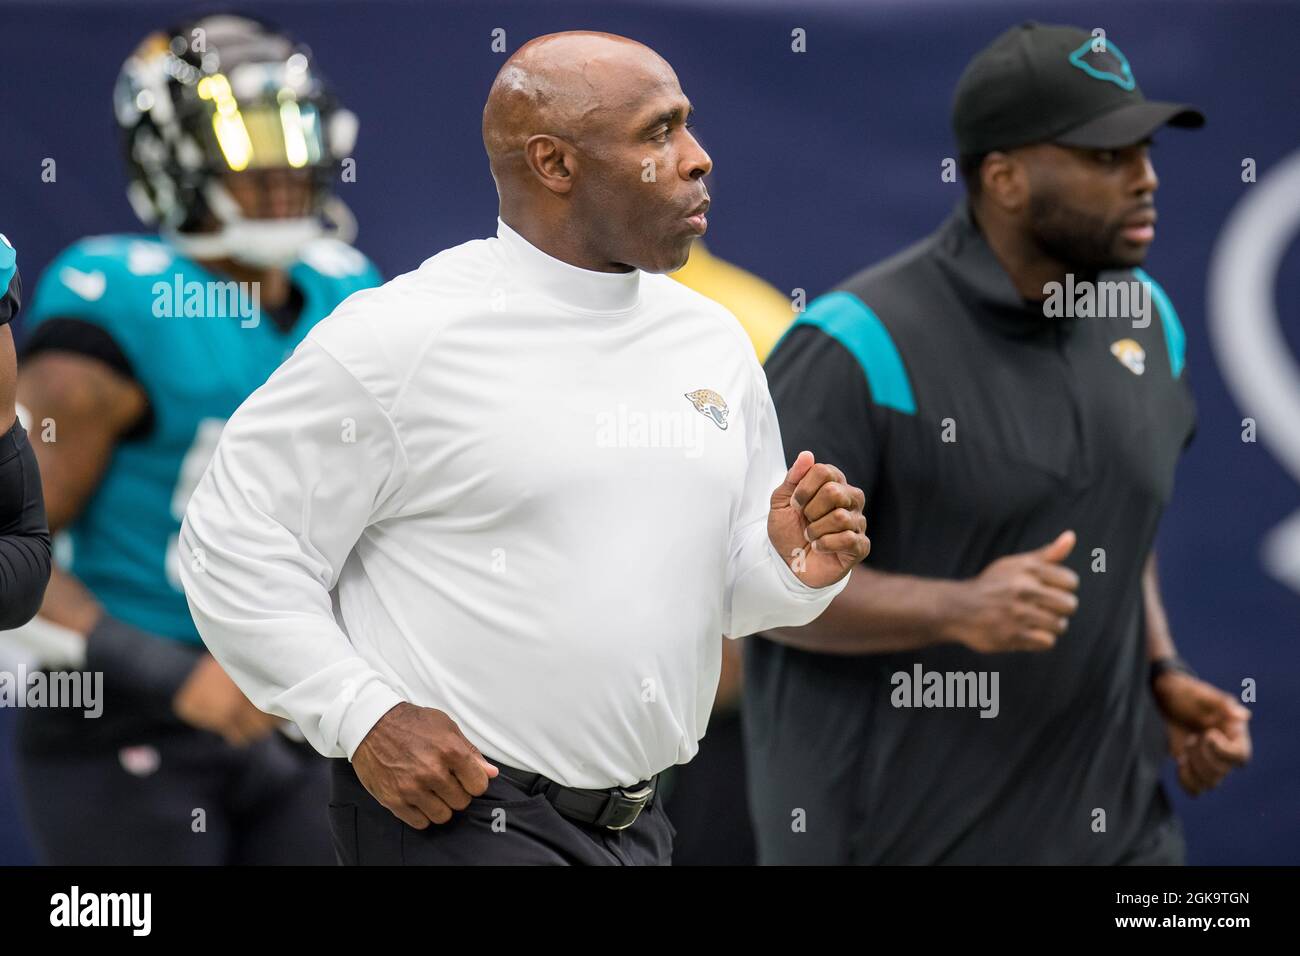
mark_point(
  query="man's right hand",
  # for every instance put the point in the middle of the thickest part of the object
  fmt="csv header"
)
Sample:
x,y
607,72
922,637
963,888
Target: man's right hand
x,y
417,763
1022,602
210,700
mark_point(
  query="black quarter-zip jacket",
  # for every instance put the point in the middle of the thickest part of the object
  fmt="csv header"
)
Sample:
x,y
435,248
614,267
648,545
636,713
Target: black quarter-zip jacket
x,y
978,428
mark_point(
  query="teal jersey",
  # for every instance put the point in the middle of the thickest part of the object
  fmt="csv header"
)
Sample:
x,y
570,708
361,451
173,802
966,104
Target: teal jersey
x,y
198,346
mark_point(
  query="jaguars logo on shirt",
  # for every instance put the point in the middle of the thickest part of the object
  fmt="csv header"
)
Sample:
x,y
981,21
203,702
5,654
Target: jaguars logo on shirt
x,y
710,403
1131,355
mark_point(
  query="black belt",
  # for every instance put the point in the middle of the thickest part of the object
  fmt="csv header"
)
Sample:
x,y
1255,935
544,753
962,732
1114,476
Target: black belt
x,y
615,809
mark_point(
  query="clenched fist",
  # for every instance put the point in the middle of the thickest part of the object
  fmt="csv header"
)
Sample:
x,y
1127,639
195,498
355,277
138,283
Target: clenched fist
x,y
816,522
417,763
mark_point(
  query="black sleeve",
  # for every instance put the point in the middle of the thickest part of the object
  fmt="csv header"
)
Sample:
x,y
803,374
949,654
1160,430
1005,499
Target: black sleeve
x,y
92,340
11,300
823,404
24,535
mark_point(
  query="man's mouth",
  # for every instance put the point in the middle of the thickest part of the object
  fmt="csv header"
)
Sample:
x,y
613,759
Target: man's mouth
x,y
696,219
1140,227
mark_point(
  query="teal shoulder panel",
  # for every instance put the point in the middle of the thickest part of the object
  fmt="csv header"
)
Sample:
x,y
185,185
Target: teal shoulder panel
x,y
8,264
852,323
1175,338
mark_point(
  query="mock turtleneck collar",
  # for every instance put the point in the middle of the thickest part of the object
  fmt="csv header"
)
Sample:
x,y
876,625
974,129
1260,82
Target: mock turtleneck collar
x,y
968,257
580,289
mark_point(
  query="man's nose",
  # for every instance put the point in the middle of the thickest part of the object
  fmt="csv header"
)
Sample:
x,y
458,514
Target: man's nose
x,y
695,162
1147,181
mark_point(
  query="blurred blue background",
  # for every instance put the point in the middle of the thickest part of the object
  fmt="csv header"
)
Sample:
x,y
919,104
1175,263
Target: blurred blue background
x,y
824,162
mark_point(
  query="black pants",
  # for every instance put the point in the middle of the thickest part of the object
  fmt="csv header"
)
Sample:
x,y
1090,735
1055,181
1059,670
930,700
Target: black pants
x,y
503,827
708,801
152,792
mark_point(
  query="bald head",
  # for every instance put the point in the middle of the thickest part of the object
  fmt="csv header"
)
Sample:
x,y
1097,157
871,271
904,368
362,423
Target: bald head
x,y
565,85
583,132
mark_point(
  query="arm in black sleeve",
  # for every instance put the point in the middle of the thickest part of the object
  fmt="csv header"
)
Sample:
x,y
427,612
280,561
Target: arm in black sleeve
x,y
24,535
824,405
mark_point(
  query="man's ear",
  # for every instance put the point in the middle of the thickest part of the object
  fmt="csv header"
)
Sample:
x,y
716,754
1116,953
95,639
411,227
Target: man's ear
x,y
552,160
1004,179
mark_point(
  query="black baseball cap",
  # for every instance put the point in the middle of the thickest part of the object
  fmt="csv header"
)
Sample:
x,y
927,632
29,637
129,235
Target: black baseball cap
x,y
1040,83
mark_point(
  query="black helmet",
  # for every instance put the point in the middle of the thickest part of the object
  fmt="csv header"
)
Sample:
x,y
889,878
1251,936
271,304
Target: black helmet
x,y
223,94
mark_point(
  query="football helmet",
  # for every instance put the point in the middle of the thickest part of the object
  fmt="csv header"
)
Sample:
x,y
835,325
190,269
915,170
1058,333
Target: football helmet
x,y
222,95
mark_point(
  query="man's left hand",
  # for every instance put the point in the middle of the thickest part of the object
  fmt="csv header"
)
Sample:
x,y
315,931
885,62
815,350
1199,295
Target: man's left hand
x,y
1208,730
816,522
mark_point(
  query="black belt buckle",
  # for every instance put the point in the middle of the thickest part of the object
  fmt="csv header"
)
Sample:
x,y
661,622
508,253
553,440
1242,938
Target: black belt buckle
x,y
624,806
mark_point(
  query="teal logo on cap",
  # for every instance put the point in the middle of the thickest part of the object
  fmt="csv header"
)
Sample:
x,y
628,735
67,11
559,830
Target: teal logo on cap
x,y
1107,64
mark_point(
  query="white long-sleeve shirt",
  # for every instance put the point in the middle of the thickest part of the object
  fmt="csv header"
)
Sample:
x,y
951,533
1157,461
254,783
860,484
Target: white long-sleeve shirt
x,y
527,494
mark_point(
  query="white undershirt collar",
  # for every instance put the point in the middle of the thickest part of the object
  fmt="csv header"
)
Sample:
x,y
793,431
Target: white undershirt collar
x,y
583,289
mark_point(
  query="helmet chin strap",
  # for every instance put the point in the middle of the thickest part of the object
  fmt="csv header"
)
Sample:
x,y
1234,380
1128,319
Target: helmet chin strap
x,y
261,243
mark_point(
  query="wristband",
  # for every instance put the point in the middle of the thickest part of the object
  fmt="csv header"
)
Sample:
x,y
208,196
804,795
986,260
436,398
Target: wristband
x,y
1163,665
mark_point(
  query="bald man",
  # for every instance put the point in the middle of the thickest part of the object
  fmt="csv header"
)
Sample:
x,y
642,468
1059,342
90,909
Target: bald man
x,y
481,532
